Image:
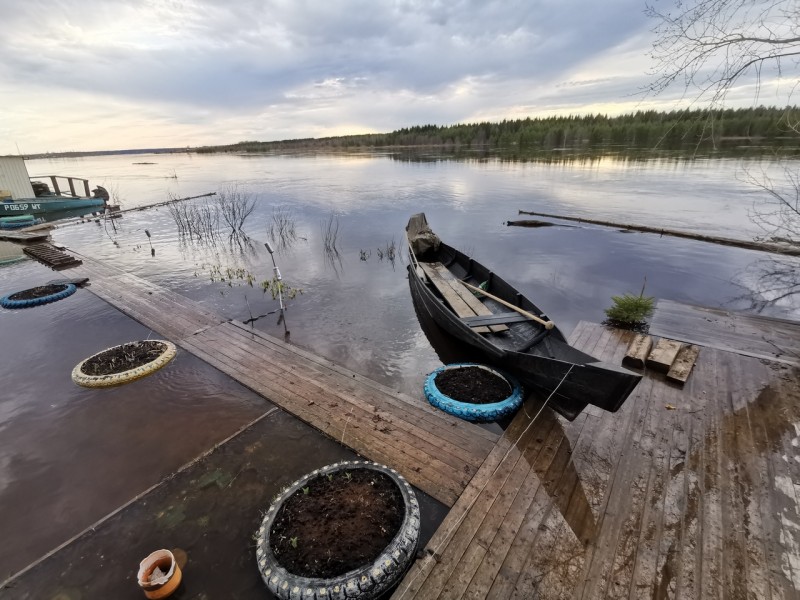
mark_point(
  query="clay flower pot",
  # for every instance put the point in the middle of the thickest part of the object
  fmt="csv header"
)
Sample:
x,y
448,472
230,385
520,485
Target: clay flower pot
x,y
163,583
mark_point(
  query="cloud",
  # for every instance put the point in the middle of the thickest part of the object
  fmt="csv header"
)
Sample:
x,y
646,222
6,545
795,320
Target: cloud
x,y
99,74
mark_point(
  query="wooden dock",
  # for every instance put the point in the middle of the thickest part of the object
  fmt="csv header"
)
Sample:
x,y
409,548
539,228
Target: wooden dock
x,y
743,333
24,237
685,492
436,452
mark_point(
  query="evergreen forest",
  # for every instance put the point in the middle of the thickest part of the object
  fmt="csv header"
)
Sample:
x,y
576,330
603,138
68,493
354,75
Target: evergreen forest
x,y
760,127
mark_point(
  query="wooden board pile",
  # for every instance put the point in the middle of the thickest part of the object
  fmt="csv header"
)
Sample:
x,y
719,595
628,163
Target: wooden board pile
x,y
668,356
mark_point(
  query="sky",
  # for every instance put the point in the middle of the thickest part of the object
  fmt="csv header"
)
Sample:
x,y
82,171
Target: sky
x,y
79,75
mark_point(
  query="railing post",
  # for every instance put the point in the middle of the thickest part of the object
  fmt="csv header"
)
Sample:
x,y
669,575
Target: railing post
x,y
71,187
56,190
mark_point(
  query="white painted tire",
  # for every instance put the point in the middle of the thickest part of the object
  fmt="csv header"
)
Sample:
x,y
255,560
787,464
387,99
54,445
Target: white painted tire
x,y
98,381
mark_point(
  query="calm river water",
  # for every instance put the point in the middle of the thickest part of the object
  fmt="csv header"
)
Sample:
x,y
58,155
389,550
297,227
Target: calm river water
x,y
356,307
69,456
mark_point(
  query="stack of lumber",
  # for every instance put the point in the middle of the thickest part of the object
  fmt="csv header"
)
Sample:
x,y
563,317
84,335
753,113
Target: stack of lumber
x,y
668,356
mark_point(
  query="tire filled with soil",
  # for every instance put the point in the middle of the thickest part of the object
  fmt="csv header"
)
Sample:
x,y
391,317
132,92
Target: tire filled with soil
x,y
124,363
473,384
348,529
36,296
473,392
123,358
337,523
38,292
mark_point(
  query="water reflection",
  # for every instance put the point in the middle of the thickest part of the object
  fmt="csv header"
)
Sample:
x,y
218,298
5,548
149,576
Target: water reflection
x,y
359,313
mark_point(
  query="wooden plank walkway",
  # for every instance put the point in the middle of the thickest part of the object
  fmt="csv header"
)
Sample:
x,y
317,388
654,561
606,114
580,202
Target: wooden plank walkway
x,y
436,452
23,236
747,334
689,492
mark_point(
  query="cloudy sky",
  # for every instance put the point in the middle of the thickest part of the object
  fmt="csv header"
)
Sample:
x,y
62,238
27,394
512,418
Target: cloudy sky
x,y
111,74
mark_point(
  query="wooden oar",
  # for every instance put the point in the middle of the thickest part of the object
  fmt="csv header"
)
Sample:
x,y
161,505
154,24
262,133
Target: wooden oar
x,y
531,316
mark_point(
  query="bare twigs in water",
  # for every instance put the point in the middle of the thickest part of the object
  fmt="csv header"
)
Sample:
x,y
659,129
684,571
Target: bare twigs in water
x,y
235,205
282,228
330,237
197,222
389,252
330,234
231,206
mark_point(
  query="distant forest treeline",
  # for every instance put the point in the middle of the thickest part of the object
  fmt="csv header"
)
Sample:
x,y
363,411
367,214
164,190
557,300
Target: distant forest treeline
x,y
766,126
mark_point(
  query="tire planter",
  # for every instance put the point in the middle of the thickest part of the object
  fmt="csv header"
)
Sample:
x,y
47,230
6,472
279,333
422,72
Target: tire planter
x,y
60,292
477,413
98,381
367,582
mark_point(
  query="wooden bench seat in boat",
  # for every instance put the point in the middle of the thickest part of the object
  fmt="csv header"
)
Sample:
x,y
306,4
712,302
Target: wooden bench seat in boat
x,y
460,299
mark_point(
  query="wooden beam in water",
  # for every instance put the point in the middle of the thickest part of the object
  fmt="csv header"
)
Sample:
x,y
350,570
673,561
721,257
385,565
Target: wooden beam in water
x,y
790,250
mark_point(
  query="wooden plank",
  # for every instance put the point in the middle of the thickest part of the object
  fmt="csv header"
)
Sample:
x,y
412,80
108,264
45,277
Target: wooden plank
x,y
363,442
663,355
460,299
536,551
467,436
459,543
638,351
295,394
684,361
456,302
742,333
363,404
497,574
467,296
419,572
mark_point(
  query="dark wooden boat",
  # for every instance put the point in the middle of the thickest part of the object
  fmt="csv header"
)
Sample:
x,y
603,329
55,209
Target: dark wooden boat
x,y
533,350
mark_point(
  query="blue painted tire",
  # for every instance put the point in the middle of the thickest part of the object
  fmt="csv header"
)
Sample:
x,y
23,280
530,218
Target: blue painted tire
x,y
9,302
371,581
477,413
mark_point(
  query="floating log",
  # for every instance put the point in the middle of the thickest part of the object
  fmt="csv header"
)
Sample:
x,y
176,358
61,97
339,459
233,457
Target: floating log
x,y
638,351
663,355
682,366
759,246
157,204
529,223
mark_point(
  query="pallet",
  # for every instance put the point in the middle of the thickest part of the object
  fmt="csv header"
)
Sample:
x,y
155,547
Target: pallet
x,y
49,255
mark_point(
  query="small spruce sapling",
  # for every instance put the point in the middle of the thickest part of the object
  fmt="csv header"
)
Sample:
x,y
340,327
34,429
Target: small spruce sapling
x,y
630,311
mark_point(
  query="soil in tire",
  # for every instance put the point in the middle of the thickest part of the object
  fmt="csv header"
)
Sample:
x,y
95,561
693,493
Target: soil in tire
x,y
38,292
473,385
123,358
337,523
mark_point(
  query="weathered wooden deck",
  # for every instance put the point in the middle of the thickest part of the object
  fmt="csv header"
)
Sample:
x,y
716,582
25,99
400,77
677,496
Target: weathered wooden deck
x,y
751,335
684,493
436,452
